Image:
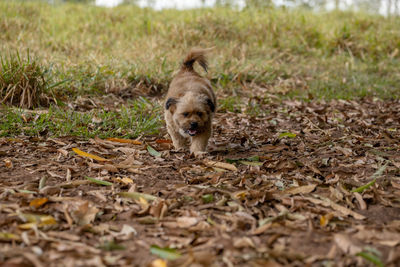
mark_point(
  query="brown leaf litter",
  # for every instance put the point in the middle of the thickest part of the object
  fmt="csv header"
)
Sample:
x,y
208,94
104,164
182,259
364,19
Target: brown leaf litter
x,y
283,198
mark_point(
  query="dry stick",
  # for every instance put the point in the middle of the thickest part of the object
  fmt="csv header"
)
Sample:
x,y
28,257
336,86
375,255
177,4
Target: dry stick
x,y
316,127
66,185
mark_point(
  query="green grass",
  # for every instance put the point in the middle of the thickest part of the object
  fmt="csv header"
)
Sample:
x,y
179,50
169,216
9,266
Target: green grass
x,y
139,118
230,103
331,55
23,81
250,106
86,50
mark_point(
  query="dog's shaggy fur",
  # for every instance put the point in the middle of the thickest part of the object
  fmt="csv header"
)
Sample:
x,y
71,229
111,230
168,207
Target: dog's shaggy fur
x,y
190,105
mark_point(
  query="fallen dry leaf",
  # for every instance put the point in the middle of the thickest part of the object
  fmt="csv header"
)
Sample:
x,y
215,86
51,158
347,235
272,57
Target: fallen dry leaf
x,y
138,196
88,155
346,244
360,200
185,222
158,263
292,201
124,180
221,165
300,190
37,202
4,236
125,141
8,163
163,141
82,212
343,210
36,221
108,167
324,220
126,232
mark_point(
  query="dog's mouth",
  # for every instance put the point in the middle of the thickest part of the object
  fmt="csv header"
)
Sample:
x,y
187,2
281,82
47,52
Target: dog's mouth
x,y
191,132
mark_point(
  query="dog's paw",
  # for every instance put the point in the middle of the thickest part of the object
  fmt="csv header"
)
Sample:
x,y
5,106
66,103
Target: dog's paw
x,y
199,154
178,150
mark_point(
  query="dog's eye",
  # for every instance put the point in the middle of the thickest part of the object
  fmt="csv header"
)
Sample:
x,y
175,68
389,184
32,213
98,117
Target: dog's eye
x,y
185,114
199,114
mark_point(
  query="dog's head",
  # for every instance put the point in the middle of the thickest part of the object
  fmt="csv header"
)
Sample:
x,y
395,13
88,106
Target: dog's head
x,y
192,113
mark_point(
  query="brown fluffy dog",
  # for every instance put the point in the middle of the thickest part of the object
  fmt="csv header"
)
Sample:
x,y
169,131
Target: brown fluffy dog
x,y
190,105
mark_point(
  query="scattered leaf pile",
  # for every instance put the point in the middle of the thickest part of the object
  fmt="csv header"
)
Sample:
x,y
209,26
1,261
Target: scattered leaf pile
x,y
309,184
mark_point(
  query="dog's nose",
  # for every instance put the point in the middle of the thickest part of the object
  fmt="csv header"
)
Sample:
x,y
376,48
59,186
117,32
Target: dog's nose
x,y
194,125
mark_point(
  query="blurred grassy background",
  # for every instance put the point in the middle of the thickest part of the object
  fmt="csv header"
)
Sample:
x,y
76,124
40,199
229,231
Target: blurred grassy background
x,y
63,53
291,52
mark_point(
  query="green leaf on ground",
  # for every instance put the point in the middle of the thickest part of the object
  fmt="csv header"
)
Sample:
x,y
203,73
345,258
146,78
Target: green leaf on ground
x,y
251,163
253,158
96,181
153,152
111,245
289,135
26,191
5,236
371,258
364,187
165,253
377,174
208,198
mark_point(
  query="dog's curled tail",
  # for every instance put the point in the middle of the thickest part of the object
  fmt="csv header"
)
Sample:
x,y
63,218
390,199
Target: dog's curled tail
x,y
196,54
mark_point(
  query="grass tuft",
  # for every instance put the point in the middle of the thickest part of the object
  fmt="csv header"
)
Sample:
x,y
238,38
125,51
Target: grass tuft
x,y
22,81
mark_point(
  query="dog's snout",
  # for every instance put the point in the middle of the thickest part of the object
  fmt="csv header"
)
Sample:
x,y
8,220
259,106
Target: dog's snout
x,y
194,125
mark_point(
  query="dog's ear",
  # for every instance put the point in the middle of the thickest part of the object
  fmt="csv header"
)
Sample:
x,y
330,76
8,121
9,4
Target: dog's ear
x,y
170,104
210,104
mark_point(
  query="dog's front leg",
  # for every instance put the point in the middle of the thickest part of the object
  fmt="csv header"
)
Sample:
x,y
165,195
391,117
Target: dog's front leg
x,y
178,140
199,144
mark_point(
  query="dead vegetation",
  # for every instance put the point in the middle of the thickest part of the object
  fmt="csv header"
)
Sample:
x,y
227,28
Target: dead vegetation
x,y
22,81
309,184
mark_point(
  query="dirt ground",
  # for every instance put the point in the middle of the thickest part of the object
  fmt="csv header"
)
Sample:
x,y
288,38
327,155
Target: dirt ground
x,y
273,191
